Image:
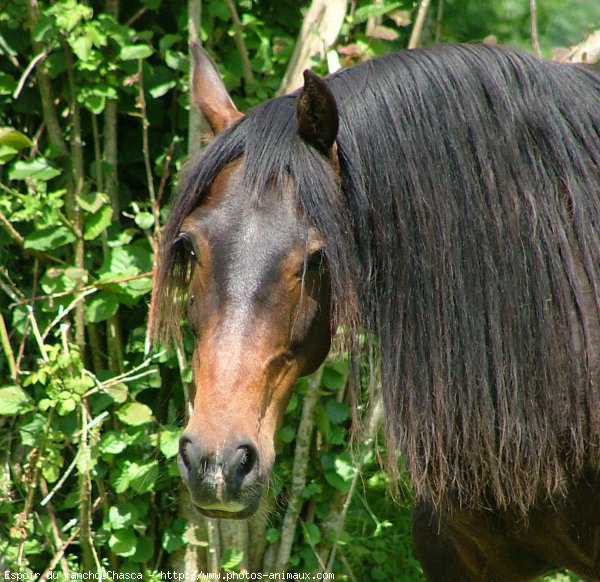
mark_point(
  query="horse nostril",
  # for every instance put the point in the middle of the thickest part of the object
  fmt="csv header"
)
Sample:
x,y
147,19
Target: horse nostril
x,y
193,458
246,461
184,442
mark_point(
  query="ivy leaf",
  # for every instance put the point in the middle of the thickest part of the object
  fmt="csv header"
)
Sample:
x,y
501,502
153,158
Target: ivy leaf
x,y
122,515
286,434
168,442
7,84
312,533
13,400
112,443
173,537
143,477
101,307
123,542
337,412
13,138
38,168
363,13
135,51
92,201
144,550
135,413
97,223
144,220
231,558
49,238
118,392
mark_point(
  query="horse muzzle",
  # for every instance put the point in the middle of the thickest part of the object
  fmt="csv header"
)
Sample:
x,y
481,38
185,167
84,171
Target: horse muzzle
x,y
223,484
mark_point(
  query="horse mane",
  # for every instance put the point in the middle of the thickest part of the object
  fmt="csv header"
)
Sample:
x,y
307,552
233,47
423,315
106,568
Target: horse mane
x,y
464,220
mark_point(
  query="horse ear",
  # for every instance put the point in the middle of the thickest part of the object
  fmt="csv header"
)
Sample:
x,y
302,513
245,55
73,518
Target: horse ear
x,y
209,93
317,114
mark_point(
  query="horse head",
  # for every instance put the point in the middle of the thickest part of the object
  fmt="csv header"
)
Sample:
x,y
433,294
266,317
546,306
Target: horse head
x,y
258,305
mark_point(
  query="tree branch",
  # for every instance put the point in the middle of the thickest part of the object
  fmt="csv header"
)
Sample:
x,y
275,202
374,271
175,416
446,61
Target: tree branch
x,y
239,41
320,29
415,37
301,456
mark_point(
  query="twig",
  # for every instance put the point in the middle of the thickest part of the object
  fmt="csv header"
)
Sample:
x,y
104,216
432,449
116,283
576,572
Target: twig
x,y
7,348
74,213
10,229
61,481
95,286
46,574
124,377
438,21
301,454
55,531
48,105
137,15
38,58
36,333
64,312
239,41
415,37
59,555
534,28
372,425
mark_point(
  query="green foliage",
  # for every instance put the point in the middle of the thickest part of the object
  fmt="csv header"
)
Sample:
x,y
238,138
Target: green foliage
x,y
89,425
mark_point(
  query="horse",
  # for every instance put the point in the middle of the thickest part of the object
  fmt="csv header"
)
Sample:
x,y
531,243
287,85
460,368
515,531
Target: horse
x,y
442,203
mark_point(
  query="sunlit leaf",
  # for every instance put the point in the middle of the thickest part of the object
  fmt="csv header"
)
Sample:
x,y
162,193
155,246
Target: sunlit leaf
x,y
135,51
38,168
13,400
49,238
97,223
101,307
135,413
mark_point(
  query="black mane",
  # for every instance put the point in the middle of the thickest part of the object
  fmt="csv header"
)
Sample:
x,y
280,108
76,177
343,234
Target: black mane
x,y
466,214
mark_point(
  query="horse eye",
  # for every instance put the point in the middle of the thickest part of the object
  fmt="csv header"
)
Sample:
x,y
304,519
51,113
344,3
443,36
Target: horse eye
x,y
187,242
315,260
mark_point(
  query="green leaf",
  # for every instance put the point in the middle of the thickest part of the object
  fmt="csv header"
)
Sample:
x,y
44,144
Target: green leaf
x,y
118,392
49,238
123,543
7,84
168,442
152,4
272,535
339,470
13,400
337,412
173,537
144,219
286,434
144,550
97,223
122,515
112,443
135,51
13,138
101,307
231,558
333,379
92,201
38,168
82,47
135,413
143,477
363,13
312,533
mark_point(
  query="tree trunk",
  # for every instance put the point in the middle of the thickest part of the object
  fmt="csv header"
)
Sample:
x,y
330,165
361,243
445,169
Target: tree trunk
x,y
320,29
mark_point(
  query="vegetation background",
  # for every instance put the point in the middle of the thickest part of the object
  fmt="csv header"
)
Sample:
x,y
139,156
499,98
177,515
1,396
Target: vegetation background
x,y
94,125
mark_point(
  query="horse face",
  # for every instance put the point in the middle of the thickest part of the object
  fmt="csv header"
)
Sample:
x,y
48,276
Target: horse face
x,y
259,303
